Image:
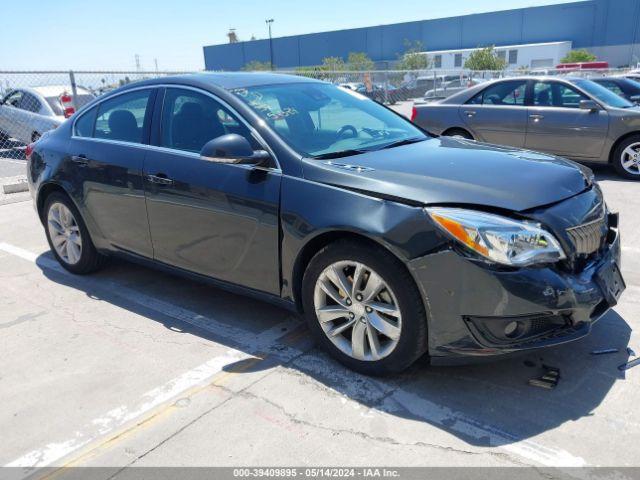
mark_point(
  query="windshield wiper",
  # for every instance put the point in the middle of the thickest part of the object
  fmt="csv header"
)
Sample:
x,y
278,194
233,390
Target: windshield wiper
x,y
405,141
339,154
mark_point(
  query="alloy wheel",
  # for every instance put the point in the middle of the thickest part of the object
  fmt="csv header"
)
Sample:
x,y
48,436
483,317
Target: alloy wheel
x,y
357,310
65,233
630,159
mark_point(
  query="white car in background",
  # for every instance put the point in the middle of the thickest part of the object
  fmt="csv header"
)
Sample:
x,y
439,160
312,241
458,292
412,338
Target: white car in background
x,y
26,113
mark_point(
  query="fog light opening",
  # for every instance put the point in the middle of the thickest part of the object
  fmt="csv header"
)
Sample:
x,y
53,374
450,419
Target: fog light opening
x,y
513,329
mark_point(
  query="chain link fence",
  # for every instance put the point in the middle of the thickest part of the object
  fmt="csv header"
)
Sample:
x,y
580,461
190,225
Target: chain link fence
x,y
37,101
34,102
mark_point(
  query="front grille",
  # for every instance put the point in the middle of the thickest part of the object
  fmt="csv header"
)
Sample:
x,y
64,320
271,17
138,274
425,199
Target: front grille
x,y
588,238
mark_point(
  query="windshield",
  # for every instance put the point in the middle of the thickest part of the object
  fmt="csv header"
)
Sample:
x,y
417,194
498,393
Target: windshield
x,y
323,121
603,94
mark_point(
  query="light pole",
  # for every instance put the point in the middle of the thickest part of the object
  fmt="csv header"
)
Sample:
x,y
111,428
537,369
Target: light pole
x,y
269,22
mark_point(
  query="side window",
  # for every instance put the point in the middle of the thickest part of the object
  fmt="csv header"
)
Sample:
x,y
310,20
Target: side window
x,y
510,93
554,94
13,99
122,117
542,95
29,103
190,119
85,124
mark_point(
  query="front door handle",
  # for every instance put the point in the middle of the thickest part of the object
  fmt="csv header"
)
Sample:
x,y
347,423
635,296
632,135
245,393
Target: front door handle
x,y
80,160
470,113
536,117
160,179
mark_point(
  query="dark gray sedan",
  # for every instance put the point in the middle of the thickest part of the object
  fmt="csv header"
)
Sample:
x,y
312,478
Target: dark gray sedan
x,y
570,117
391,242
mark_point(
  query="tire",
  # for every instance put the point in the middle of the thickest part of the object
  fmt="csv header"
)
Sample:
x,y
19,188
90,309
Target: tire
x,y
409,328
458,133
88,260
626,158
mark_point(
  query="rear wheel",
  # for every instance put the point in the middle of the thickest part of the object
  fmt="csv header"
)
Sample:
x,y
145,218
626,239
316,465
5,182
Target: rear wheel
x,y
458,133
68,236
364,308
626,158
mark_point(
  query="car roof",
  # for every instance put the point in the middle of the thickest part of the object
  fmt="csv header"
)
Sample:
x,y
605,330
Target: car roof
x,y
53,90
230,80
468,93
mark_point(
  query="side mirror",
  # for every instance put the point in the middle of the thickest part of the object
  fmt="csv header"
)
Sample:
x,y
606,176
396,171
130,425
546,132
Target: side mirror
x,y
233,148
590,105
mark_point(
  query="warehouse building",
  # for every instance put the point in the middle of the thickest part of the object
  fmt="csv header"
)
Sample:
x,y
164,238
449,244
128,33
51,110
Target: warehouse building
x,y
608,28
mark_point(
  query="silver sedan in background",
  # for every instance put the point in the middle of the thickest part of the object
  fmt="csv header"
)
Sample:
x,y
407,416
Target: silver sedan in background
x,y
570,117
26,113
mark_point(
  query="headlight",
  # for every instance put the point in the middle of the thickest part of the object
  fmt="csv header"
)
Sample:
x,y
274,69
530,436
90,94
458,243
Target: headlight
x,y
497,238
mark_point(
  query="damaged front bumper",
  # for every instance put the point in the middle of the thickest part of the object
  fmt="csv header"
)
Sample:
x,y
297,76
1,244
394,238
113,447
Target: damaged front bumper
x,y
476,310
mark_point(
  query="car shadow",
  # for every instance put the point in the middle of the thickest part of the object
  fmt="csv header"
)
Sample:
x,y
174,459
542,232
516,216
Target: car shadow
x,y
606,172
487,404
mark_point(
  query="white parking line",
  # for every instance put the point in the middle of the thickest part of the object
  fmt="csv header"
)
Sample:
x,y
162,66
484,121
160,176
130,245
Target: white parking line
x,y
496,436
19,162
117,417
631,249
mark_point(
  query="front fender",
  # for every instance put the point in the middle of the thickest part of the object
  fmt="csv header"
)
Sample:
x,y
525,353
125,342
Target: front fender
x,y
310,209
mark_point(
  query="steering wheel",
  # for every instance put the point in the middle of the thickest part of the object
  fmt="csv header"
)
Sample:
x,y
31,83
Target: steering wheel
x,y
345,129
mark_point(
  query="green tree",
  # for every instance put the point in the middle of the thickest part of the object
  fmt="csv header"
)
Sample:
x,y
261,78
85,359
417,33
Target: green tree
x,y
333,64
359,61
484,59
413,58
576,56
256,66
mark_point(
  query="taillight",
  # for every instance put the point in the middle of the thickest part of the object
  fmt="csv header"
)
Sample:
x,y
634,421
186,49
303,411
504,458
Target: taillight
x,y
67,104
414,113
29,150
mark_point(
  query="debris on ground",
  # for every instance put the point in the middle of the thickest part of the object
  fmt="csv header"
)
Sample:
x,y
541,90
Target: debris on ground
x,y
628,365
604,351
549,380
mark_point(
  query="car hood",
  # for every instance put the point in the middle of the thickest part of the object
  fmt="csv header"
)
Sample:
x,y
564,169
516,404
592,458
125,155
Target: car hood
x,y
456,171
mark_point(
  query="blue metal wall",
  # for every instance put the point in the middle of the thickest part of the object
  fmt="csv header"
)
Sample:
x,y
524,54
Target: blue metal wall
x,y
593,23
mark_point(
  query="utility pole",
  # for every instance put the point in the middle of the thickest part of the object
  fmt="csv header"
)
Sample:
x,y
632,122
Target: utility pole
x,y
269,22
155,60
137,62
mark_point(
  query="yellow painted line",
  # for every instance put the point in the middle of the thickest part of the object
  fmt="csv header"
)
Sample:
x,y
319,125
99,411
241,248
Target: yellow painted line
x,y
168,409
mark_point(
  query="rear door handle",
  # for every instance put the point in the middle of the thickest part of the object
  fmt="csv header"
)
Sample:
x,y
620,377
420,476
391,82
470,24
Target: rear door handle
x,y
80,160
469,113
160,179
536,117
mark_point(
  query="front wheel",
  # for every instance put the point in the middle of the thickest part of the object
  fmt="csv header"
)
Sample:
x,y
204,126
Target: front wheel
x,y
68,236
626,158
364,308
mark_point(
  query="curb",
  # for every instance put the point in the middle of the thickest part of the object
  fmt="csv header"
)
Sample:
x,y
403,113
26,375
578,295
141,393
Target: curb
x,y
14,184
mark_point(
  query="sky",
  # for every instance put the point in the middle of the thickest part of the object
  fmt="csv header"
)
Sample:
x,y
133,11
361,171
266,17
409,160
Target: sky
x,y
106,35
